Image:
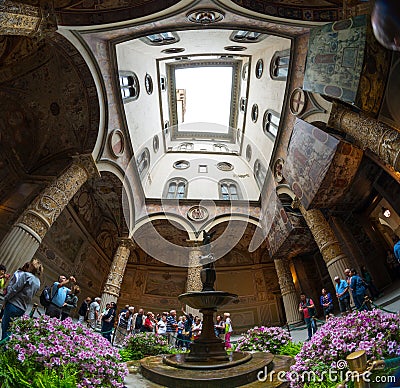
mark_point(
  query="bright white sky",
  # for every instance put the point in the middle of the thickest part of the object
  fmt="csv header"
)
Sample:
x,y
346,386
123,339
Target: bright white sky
x,y
208,96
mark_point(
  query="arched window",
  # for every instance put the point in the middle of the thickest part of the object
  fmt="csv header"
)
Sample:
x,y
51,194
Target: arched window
x,y
260,173
176,188
271,123
143,162
229,190
279,66
129,86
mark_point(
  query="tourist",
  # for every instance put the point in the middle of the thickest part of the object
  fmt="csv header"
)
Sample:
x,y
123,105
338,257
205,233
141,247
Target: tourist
x,y
94,313
4,276
20,293
84,309
228,330
124,326
307,307
347,275
358,289
107,321
172,325
138,320
343,295
71,302
187,332
367,278
149,323
13,280
179,331
326,303
196,328
219,328
162,326
59,292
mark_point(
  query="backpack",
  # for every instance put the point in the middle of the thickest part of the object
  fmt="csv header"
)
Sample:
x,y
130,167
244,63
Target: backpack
x,y
46,297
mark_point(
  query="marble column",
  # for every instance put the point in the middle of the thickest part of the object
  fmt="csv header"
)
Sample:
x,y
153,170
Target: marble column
x,y
27,20
368,133
24,238
117,271
335,259
289,295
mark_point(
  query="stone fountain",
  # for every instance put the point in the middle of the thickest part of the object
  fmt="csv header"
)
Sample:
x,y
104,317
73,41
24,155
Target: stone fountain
x,y
207,364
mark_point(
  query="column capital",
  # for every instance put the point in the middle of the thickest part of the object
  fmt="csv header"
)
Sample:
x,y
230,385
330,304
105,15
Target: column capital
x,y
126,242
87,162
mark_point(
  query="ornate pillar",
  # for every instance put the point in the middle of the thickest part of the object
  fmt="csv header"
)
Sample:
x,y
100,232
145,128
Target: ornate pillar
x,y
289,295
193,282
26,20
381,139
25,236
193,277
117,271
336,261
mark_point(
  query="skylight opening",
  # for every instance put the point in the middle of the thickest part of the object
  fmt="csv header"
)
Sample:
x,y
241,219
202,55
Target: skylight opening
x,y
204,96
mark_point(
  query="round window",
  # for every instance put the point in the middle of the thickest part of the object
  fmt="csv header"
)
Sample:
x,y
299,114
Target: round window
x,y
248,152
148,82
254,113
225,166
156,144
181,164
259,68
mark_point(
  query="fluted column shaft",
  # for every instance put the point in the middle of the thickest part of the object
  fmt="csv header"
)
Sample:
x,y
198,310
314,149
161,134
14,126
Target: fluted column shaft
x,y
289,295
24,238
378,137
26,20
116,274
331,251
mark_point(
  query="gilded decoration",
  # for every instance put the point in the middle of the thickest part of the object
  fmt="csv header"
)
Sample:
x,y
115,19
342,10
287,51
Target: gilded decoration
x,y
284,276
48,205
381,139
318,10
323,234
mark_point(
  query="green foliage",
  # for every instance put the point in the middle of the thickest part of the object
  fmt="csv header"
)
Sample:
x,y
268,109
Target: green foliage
x,y
144,344
13,374
290,349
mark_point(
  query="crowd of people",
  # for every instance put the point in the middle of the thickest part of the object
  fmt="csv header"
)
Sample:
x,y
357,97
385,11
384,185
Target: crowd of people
x,y
18,291
352,286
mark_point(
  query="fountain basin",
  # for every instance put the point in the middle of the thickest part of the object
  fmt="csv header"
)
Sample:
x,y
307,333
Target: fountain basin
x,y
180,361
206,299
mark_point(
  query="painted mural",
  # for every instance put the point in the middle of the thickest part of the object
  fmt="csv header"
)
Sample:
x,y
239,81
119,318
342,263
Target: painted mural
x,y
310,154
335,59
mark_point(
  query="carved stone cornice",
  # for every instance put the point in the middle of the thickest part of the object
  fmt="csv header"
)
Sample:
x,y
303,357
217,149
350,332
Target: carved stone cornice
x,y
27,20
368,133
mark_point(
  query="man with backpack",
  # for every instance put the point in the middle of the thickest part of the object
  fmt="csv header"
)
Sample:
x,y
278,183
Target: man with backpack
x,y
307,307
58,295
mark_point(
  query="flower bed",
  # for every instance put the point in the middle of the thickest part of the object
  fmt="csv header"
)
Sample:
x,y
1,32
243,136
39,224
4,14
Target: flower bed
x,y
141,345
264,339
375,332
47,349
